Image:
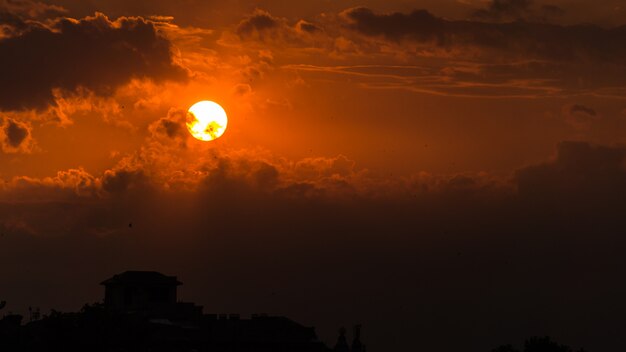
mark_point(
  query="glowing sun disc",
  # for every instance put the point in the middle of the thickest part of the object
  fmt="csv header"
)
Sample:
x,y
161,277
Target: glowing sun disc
x,y
206,120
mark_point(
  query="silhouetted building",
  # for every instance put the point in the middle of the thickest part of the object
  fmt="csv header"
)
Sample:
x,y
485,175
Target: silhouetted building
x,y
141,313
134,291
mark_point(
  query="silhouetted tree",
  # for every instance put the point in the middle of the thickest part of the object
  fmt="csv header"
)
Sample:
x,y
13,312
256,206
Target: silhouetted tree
x,y
544,344
505,348
537,344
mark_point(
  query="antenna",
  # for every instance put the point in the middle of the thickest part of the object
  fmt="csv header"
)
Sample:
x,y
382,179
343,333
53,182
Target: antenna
x,y
357,331
357,345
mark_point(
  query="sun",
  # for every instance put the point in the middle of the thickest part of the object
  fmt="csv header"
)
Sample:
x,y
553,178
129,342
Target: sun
x,y
206,120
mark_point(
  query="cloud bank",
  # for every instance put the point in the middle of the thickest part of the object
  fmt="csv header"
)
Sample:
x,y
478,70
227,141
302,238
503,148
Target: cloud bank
x,y
93,53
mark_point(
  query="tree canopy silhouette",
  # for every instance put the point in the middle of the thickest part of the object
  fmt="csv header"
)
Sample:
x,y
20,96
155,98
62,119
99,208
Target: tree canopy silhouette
x,y
538,344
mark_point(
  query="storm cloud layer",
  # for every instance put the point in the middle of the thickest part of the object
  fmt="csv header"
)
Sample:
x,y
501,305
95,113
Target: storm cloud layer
x,y
527,40
515,57
65,54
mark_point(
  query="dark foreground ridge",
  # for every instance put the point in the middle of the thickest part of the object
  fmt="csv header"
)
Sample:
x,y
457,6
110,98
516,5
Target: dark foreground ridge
x,y
141,312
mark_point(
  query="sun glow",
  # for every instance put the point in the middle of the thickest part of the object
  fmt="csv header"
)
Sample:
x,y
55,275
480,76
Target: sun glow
x,y
206,120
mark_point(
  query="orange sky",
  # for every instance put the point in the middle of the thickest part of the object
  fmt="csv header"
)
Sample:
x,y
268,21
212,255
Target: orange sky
x,y
403,105
409,127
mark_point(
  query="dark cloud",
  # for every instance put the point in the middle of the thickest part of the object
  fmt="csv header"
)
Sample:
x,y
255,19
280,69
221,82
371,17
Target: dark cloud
x,y
242,89
528,40
477,58
65,186
171,126
582,109
517,10
93,53
15,133
580,117
230,177
264,27
122,181
552,11
419,24
28,9
497,9
255,69
15,136
308,27
583,176
259,22
15,15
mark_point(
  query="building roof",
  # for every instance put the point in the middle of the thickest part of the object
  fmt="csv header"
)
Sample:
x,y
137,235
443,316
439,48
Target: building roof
x,y
141,278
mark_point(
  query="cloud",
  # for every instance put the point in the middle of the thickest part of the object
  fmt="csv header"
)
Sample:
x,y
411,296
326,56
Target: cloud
x,y
582,109
313,168
308,27
448,78
475,58
579,117
122,181
16,16
228,180
28,9
93,53
552,11
582,176
172,126
514,9
527,40
264,27
256,66
258,23
242,89
15,136
419,24
517,10
232,177
65,185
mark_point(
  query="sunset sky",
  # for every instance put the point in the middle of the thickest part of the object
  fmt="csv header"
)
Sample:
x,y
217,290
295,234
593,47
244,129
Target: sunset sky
x,y
449,173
